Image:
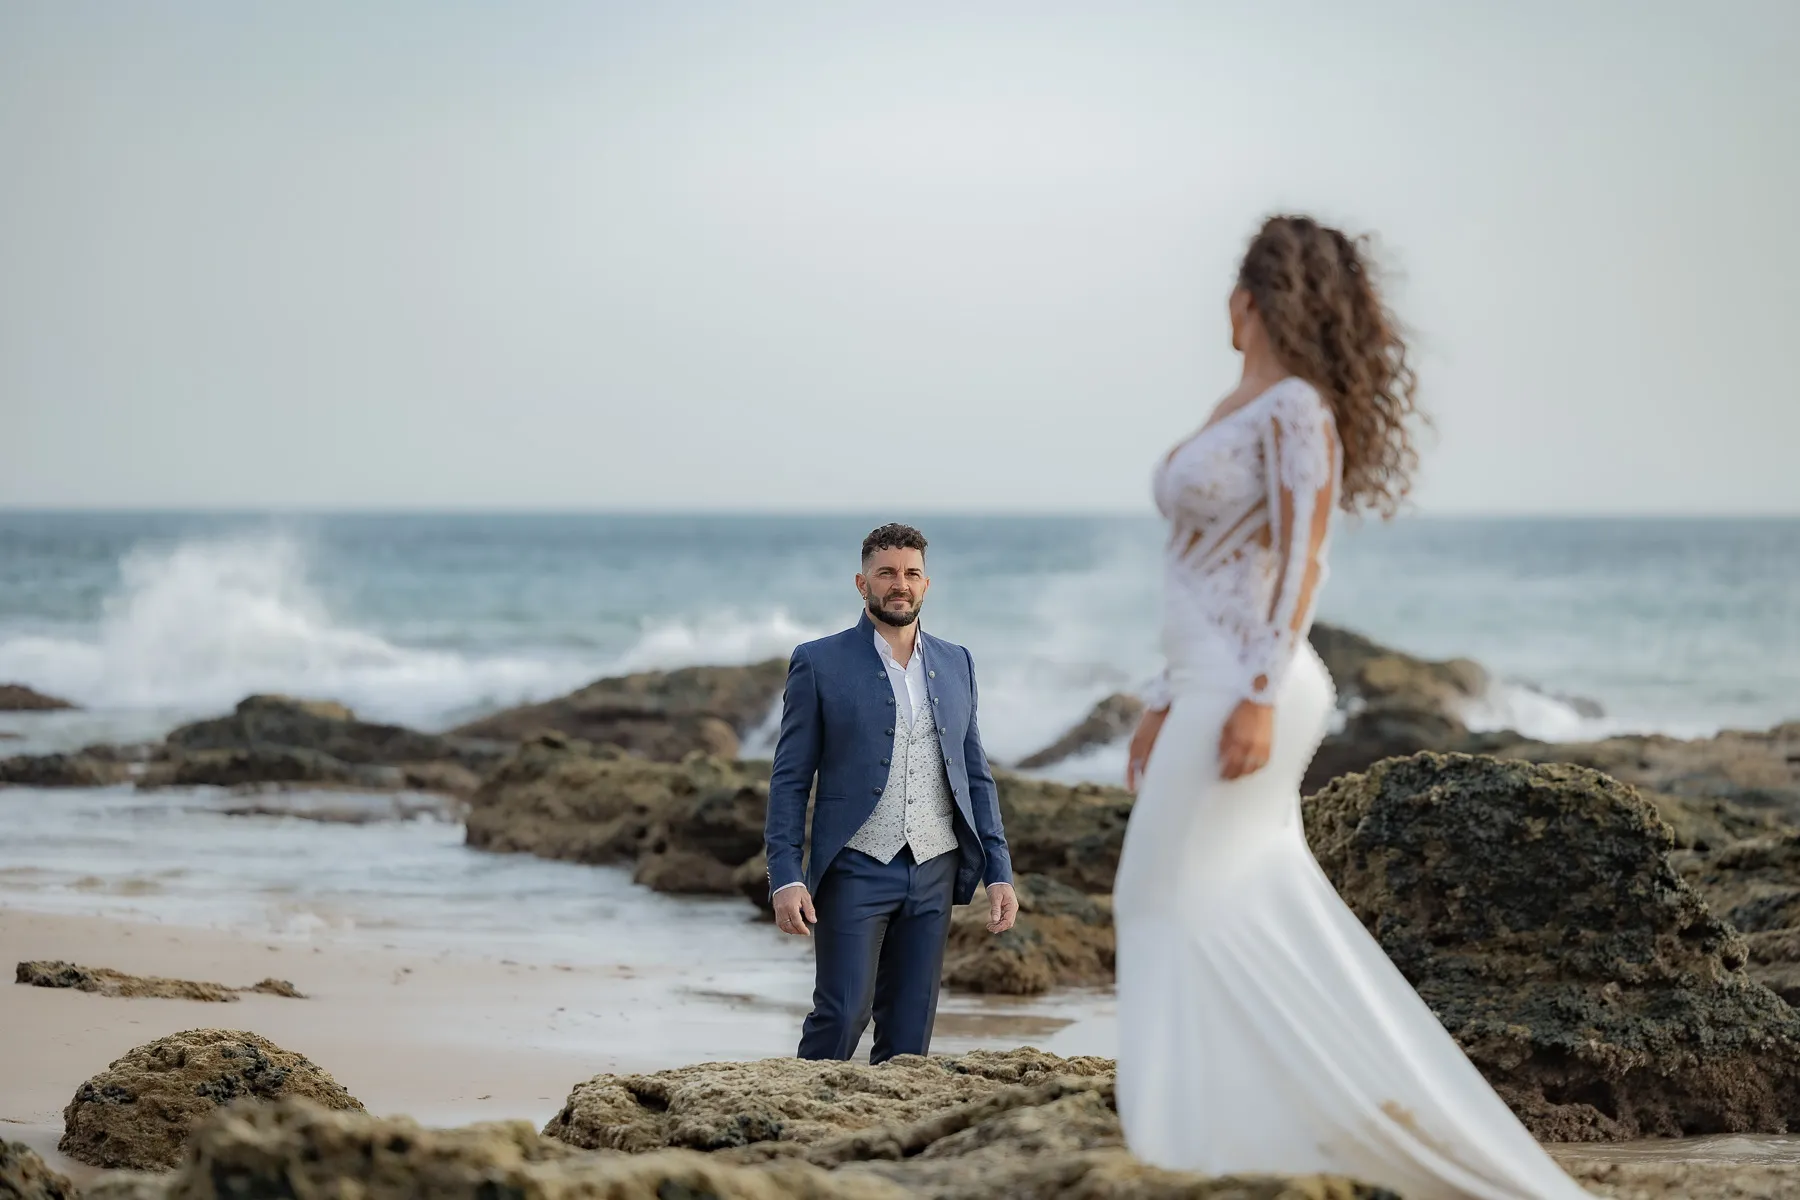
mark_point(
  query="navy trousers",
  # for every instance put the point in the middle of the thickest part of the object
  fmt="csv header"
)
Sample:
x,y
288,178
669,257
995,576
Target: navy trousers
x,y
880,943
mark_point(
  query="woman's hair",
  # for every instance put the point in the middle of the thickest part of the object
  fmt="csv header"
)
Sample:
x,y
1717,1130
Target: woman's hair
x,y
1326,322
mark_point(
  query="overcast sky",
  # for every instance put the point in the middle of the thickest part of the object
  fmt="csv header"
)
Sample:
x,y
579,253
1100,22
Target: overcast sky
x,y
816,256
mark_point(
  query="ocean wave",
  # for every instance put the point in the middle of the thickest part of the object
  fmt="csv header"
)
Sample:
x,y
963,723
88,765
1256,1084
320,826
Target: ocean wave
x,y
1536,714
194,628
198,626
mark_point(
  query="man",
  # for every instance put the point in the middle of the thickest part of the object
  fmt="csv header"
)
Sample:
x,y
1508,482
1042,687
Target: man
x,y
906,821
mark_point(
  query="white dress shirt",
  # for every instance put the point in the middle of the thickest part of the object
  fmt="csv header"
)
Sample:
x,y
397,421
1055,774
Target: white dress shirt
x,y
908,682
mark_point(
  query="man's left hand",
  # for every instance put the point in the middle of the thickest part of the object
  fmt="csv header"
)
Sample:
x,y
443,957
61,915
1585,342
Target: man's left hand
x,y
1003,905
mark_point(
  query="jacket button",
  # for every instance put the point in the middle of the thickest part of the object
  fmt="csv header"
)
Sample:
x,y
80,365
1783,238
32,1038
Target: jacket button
x,y
889,732
884,762
931,674
890,702
878,791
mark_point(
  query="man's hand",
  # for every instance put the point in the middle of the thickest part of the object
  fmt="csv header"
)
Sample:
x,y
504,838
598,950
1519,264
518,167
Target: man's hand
x,y
1142,742
794,911
1003,907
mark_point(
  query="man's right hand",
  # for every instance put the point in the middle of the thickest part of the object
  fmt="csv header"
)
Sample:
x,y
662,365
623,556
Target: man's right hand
x,y
794,911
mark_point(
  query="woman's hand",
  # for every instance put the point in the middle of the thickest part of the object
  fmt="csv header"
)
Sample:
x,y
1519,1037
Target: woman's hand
x,y
1244,742
1142,742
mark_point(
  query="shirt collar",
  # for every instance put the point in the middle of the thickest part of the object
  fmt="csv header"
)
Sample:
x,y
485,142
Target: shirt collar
x,y
887,652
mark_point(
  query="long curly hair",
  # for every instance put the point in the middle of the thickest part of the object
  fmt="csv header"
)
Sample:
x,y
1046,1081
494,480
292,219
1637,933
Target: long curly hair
x,y
1314,290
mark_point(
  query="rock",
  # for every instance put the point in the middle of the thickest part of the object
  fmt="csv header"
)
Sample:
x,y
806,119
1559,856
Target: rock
x,y
347,809
1071,833
322,742
293,1148
1021,1124
662,715
1046,1142
23,1176
752,882
1712,790
1536,910
1406,704
1672,1178
59,770
104,981
1367,672
1755,884
1388,729
16,697
1062,938
717,1106
1111,720
685,873
256,765
1051,1138
138,1112
560,798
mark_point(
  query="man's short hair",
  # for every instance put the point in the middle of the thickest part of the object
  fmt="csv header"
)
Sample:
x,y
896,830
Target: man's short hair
x,y
893,537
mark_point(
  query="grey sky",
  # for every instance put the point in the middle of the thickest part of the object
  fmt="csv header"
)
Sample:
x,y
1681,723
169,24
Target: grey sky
x,y
793,256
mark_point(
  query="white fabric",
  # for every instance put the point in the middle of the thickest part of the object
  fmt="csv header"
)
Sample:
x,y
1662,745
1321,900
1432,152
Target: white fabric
x,y
908,681
1261,1028
1234,562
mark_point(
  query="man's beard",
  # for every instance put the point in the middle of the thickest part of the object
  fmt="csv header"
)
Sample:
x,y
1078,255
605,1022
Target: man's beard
x,y
897,620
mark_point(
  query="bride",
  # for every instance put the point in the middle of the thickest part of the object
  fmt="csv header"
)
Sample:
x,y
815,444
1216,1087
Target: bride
x,y
1261,1028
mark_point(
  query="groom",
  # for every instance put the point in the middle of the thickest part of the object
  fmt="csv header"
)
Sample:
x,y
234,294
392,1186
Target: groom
x,y
906,820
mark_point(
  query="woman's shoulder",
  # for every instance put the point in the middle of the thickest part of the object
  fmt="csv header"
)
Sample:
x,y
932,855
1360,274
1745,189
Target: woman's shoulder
x,y
1294,403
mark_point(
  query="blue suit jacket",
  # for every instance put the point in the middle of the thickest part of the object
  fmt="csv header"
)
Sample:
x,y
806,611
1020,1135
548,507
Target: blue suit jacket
x,y
837,722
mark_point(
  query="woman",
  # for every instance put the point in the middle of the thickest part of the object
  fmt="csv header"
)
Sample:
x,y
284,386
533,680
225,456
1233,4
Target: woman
x,y
1261,1028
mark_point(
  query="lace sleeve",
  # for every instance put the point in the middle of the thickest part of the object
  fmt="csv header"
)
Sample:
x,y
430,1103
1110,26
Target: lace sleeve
x,y
1301,463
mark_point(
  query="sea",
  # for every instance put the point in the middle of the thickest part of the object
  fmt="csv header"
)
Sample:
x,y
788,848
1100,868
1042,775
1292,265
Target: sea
x,y
148,620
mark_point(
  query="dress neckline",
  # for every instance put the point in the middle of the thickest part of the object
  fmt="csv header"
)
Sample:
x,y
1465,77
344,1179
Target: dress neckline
x,y
1213,422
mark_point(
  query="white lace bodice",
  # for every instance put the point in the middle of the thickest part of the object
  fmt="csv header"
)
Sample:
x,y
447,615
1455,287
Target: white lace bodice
x,y
1250,502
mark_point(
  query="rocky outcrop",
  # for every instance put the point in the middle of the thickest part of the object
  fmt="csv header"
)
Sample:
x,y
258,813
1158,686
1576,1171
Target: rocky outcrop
x,y
1063,938
319,725
717,1106
1071,833
1057,1139
1369,673
16,697
1711,790
1534,907
1755,884
138,1112
104,981
60,770
561,798
24,1176
1107,722
662,715
1395,703
280,739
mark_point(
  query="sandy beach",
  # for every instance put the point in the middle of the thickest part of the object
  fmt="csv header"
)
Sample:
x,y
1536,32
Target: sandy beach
x,y
446,1038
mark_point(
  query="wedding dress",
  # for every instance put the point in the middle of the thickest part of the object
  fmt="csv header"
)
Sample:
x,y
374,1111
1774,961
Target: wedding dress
x,y
1261,1028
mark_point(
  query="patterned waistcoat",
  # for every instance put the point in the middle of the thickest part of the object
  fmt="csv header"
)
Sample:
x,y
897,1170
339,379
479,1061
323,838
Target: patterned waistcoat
x,y
915,807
